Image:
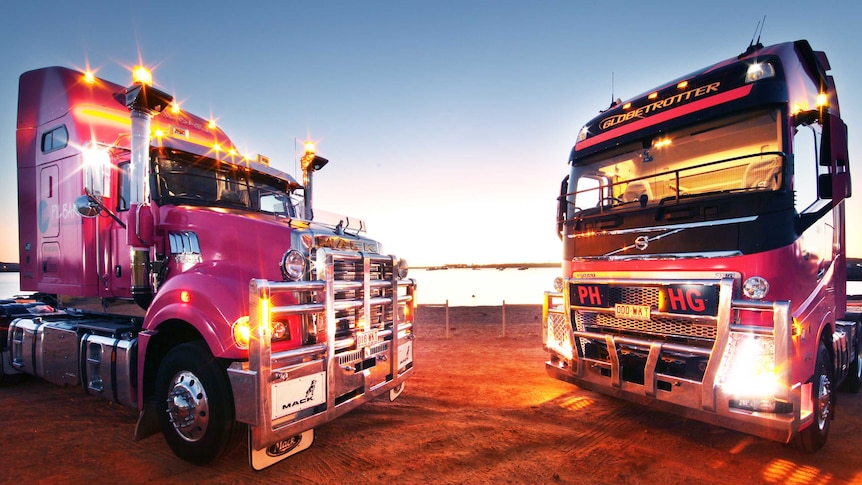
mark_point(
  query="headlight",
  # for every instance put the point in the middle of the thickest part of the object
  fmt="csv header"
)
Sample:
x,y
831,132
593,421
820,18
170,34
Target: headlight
x,y
755,288
401,269
280,331
293,265
747,371
759,70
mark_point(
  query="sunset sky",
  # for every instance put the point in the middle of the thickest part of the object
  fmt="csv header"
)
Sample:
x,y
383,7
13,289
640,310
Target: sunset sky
x,y
447,123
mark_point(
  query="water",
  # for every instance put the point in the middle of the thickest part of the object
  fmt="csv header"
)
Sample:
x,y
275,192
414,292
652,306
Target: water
x,y
462,287
466,287
9,285
469,287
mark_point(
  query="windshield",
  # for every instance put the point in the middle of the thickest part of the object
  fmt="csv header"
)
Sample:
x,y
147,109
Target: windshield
x,y
738,153
184,179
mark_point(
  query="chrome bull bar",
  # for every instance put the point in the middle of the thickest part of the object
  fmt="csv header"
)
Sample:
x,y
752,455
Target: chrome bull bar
x,y
705,400
328,378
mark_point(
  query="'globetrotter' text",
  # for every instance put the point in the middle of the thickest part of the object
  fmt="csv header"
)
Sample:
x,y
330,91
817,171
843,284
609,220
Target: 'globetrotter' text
x,y
689,95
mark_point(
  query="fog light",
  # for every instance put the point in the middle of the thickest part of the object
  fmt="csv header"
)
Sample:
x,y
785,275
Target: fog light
x,y
755,288
558,284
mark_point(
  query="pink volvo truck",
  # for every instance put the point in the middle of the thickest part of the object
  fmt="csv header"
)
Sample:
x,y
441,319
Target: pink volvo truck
x,y
704,254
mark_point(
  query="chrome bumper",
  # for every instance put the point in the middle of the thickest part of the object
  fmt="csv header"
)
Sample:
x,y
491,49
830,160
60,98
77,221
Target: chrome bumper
x,y
281,395
705,400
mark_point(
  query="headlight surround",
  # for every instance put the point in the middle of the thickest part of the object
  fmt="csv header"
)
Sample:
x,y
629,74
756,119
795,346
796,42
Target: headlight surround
x,y
293,265
755,288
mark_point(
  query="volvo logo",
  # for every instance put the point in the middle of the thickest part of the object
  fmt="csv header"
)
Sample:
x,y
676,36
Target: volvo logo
x,y
641,242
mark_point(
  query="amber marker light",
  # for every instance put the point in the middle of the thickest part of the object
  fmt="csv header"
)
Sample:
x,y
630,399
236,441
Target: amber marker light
x,y
627,106
652,96
185,296
309,147
142,75
242,332
211,124
822,100
89,77
662,143
682,85
175,108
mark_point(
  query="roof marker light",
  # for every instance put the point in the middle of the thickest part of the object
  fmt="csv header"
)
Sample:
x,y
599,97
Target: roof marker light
x,y
211,124
309,147
652,95
142,75
822,100
89,77
627,106
682,85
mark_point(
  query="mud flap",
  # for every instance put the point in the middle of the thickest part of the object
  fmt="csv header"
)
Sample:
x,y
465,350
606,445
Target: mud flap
x,y
274,453
395,392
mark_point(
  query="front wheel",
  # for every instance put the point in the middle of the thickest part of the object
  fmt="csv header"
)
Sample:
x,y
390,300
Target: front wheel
x,y
814,436
853,382
196,408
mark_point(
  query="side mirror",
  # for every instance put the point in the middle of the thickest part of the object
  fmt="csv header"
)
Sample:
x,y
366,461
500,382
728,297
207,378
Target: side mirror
x,y
86,207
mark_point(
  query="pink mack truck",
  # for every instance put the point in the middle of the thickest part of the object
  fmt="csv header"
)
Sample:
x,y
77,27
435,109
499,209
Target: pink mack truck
x,y
175,276
704,254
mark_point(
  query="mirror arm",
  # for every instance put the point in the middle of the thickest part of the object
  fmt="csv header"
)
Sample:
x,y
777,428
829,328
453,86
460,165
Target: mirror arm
x,y
95,200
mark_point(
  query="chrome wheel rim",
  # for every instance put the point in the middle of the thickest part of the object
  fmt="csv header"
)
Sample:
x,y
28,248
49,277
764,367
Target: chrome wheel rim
x,y
188,408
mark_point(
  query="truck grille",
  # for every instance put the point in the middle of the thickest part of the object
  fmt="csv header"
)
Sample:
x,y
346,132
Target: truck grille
x,y
662,325
379,312
591,321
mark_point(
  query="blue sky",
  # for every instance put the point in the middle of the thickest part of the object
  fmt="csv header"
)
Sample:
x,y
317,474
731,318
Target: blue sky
x,y
447,124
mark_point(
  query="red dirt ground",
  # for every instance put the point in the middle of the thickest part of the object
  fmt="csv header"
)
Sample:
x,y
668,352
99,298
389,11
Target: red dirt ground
x,y
479,409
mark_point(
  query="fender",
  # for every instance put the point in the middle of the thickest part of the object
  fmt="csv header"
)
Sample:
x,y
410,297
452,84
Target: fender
x,y
214,303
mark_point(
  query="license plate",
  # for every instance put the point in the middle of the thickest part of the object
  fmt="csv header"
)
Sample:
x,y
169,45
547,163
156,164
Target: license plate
x,y
405,354
294,395
366,339
632,312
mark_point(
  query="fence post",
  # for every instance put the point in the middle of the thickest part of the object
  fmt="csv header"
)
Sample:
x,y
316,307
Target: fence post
x,y
447,319
504,318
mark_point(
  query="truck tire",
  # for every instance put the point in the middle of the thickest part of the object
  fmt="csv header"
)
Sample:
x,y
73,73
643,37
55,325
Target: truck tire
x,y
196,411
853,382
10,379
814,436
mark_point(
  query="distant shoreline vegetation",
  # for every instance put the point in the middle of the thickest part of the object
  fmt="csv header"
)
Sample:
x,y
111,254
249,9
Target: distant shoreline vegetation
x,y
854,267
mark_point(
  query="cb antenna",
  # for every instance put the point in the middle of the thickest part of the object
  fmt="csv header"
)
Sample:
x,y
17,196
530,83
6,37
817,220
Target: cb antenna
x,y
762,23
755,44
